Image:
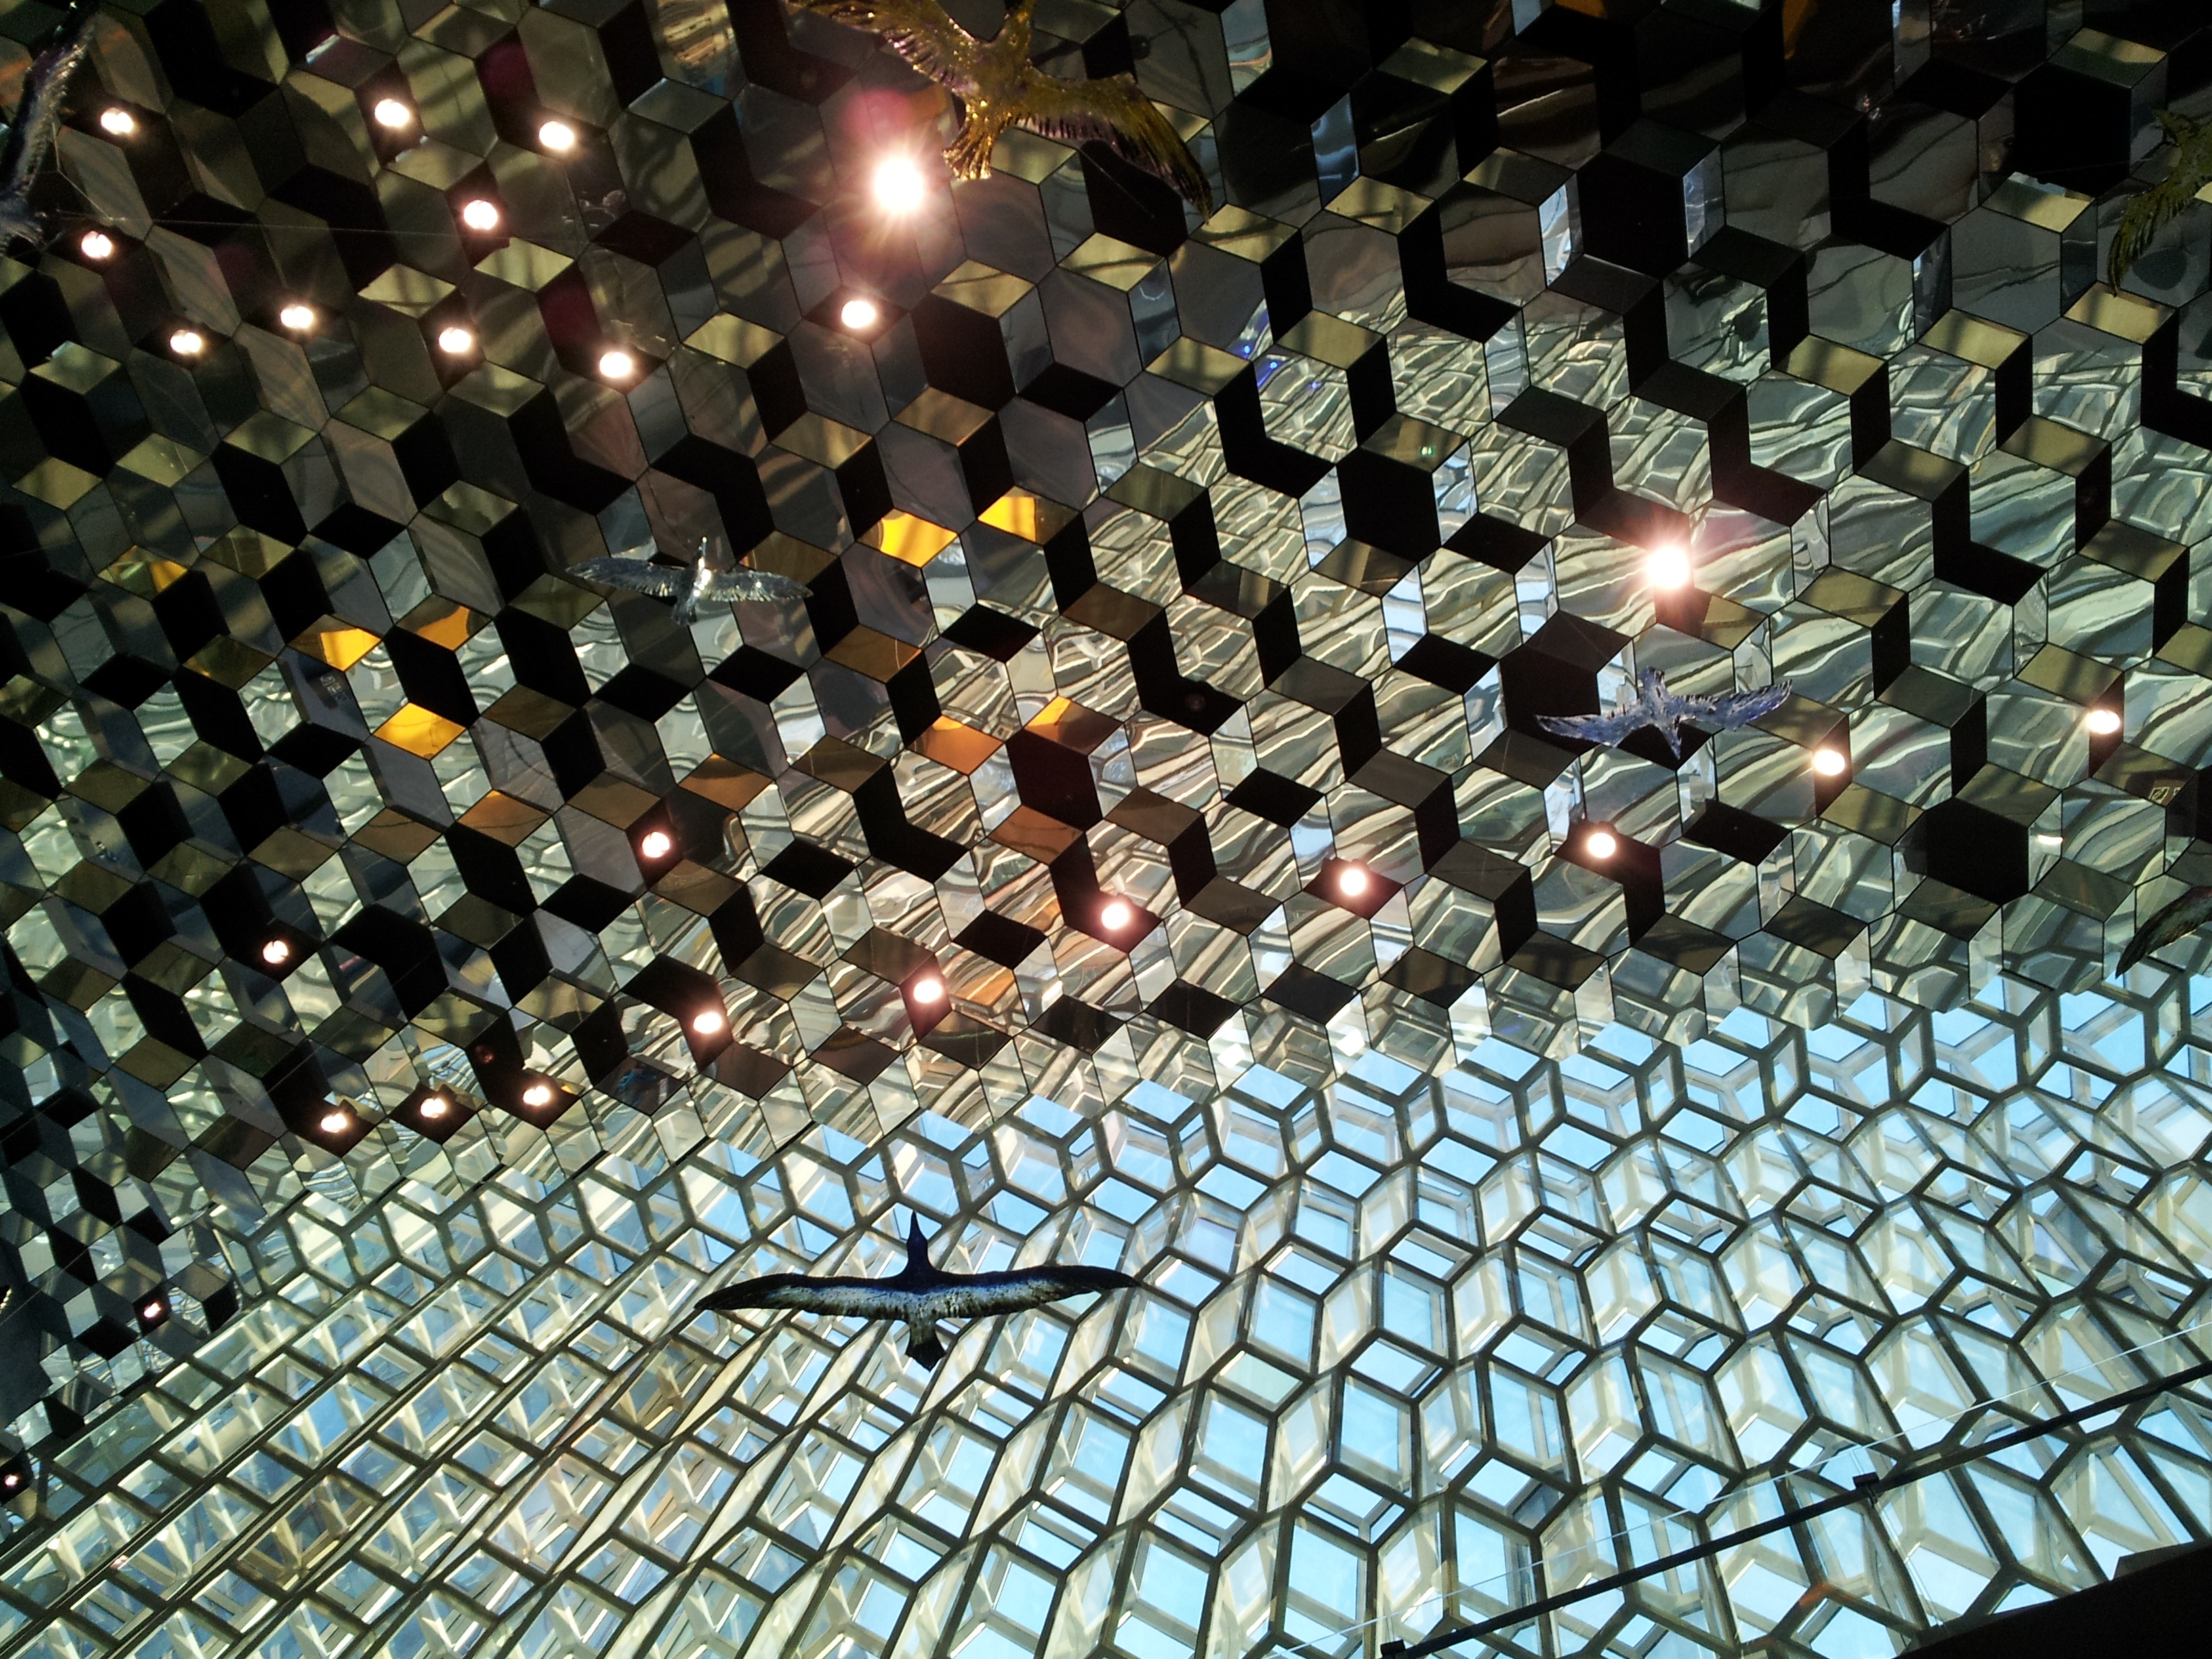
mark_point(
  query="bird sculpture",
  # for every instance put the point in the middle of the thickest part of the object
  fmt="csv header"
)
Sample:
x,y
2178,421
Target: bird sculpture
x,y
999,88
920,1294
2177,920
38,120
1667,712
708,573
2151,210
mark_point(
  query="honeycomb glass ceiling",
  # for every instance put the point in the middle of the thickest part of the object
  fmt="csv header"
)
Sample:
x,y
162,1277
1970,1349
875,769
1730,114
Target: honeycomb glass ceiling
x,y
1524,1217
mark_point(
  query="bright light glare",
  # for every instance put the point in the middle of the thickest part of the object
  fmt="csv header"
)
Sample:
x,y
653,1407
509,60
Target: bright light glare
x,y
928,992
153,1309
1115,916
1601,844
617,365
537,1094
118,120
557,136
336,1123
898,185
188,342
2103,721
1352,881
276,952
392,113
859,314
656,844
1669,566
455,341
298,318
435,1107
1828,762
708,1022
480,214
97,245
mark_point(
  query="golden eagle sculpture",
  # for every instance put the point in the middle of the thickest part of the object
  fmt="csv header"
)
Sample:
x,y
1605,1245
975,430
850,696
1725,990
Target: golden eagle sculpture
x,y
999,88
2151,210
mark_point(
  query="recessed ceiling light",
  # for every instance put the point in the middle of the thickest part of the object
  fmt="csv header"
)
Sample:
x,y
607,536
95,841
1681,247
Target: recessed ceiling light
x,y
480,214
1352,881
149,1310
708,1022
860,313
118,121
297,317
558,136
656,844
392,114
188,342
434,1107
336,1122
617,365
97,245
1829,762
1669,566
455,341
537,1094
898,185
1116,916
2104,722
1601,844
929,991
276,952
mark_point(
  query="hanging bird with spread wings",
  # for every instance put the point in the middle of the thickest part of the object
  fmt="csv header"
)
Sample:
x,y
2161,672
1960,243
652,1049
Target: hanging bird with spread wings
x,y
2151,210
999,88
920,1294
1666,712
708,573
38,121
2177,920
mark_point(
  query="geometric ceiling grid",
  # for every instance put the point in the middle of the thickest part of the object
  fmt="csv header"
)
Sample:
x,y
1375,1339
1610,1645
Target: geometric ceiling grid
x,y
1144,844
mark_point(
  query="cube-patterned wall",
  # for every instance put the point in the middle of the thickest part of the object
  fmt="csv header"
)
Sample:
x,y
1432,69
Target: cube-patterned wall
x,y
1176,564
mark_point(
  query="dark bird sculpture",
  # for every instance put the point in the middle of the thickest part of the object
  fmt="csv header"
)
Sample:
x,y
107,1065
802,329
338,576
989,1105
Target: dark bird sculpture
x,y
38,120
708,573
2151,210
999,88
920,1295
1666,712
2177,920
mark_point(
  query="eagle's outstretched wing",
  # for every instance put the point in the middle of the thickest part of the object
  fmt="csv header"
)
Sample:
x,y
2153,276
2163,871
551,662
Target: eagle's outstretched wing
x,y
2153,209
917,30
855,1298
755,585
2183,916
1733,709
975,1296
663,581
1594,728
1113,110
39,116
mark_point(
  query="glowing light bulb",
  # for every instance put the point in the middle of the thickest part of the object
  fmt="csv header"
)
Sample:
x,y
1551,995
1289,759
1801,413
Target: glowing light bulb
x,y
929,992
1601,844
480,214
297,317
392,114
276,952
11,1480
336,1123
617,365
118,121
188,342
898,185
455,341
708,1022
859,314
537,1094
1352,881
152,1310
557,137
97,245
1828,762
1669,566
2103,721
434,1107
656,844
1115,916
